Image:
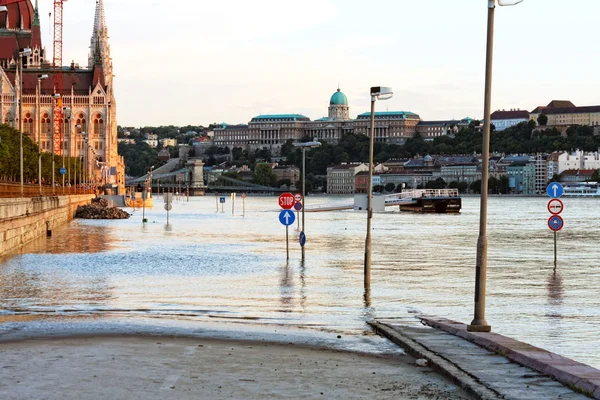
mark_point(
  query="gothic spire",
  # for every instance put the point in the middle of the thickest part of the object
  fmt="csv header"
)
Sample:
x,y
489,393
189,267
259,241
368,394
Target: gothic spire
x,y
36,15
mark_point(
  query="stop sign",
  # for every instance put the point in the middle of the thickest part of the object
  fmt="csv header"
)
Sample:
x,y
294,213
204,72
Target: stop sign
x,y
286,201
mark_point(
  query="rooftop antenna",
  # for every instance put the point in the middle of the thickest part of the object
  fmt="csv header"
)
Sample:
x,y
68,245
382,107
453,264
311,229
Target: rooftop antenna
x,y
50,23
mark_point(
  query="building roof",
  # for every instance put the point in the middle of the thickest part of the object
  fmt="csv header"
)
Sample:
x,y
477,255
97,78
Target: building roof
x,y
18,13
439,123
345,166
280,117
338,99
390,115
511,114
81,80
553,104
572,110
578,172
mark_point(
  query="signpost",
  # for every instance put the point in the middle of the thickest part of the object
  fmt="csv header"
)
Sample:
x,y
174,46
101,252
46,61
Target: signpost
x,y
63,171
287,218
233,203
555,207
243,204
302,239
298,198
222,201
168,198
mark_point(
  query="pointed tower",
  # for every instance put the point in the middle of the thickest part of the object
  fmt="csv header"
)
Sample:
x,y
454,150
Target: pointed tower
x,y
36,39
99,47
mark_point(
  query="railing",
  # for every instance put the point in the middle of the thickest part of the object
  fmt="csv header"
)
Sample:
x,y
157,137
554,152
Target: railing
x,y
13,190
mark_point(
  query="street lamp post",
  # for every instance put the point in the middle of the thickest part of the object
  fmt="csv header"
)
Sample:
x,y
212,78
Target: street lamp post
x,y
66,117
479,324
377,93
39,116
56,96
26,52
304,146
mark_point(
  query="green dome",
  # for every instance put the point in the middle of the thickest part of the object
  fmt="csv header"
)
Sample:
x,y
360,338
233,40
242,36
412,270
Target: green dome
x,y
338,99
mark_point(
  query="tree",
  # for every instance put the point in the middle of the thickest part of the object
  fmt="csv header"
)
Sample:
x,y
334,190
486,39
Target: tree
x,y
543,119
476,187
390,187
399,188
378,188
264,175
439,183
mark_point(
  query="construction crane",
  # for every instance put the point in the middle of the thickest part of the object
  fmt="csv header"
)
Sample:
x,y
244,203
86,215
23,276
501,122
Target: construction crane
x,y
57,77
7,2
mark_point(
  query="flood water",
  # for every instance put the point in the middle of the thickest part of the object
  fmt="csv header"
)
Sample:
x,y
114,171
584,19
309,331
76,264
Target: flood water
x,y
214,266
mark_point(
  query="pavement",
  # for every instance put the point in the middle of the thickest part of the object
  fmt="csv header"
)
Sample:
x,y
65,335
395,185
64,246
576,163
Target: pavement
x,y
489,365
155,367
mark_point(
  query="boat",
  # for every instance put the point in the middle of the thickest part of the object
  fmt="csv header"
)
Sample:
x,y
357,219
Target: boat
x,y
582,189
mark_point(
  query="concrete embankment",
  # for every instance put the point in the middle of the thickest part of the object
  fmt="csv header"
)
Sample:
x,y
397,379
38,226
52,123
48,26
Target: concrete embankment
x,y
492,366
25,219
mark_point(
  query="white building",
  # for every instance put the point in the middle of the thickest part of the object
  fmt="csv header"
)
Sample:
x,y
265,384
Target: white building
x,y
578,160
341,178
503,119
151,142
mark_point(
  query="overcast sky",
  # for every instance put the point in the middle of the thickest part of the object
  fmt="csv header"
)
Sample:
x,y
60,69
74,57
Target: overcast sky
x,y
201,61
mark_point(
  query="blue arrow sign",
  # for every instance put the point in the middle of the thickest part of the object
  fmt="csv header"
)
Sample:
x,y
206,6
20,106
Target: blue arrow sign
x,y
555,190
63,171
287,217
302,239
222,200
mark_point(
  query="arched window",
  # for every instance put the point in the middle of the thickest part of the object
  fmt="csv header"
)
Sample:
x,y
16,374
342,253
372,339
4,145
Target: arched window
x,y
82,122
98,125
8,119
28,124
45,123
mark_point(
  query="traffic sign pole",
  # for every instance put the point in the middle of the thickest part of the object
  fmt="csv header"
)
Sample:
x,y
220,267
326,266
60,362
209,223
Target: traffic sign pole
x,y
555,253
287,242
555,207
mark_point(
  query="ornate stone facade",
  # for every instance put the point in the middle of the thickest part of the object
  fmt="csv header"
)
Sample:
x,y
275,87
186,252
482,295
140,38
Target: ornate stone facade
x,y
89,107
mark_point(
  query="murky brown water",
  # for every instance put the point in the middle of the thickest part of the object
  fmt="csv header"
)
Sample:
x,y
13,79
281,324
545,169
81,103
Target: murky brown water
x,y
209,265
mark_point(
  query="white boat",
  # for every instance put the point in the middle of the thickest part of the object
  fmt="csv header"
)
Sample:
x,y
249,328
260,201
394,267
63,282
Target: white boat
x,y
582,189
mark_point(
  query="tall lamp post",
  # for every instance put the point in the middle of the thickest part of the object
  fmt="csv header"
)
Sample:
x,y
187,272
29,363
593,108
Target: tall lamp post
x,y
377,93
66,117
56,96
25,53
479,324
304,146
39,116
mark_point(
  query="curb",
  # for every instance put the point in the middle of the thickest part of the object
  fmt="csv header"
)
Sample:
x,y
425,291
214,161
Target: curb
x,y
577,376
440,364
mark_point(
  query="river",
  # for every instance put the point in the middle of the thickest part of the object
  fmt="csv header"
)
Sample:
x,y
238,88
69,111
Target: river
x,y
214,266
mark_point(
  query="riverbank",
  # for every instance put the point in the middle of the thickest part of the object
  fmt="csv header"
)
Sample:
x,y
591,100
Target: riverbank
x,y
79,359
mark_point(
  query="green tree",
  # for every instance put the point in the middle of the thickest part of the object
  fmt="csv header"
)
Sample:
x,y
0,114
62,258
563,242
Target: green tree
x,y
378,188
264,175
475,187
390,187
439,183
542,119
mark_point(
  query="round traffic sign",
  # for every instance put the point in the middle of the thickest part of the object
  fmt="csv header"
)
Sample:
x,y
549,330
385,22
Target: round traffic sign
x,y
168,206
555,206
243,195
555,190
63,171
556,223
298,197
286,201
298,206
287,217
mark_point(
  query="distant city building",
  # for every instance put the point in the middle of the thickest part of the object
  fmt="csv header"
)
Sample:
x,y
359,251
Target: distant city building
x,y
286,172
503,119
164,155
341,178
578,160
169,142
151,142
226,135
433,129
565,113
151,136
576,175
126,141
521,178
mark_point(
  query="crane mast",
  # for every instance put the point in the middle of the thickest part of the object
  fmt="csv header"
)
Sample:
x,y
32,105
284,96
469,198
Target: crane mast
x,y
57,78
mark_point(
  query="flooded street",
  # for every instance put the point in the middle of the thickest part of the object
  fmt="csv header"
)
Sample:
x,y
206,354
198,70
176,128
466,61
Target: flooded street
x,y
212,266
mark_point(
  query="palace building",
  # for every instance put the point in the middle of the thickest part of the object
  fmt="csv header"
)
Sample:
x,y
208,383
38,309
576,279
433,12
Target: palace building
x,y
272,131
89,122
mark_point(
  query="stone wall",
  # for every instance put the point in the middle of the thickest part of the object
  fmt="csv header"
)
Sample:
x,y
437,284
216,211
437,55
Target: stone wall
x,y
25,219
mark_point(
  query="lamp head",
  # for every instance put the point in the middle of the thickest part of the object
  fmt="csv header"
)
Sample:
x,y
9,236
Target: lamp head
x,y
26,52
381,93
509,2
42,76
3,9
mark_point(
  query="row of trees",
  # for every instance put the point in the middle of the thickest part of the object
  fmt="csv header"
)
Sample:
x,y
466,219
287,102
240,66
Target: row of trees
x,y
10,159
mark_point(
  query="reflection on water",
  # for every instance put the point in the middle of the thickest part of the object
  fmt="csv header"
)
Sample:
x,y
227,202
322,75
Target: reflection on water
x,y
207,265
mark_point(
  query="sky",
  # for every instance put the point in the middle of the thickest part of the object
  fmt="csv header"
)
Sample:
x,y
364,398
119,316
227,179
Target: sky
x,y
180,62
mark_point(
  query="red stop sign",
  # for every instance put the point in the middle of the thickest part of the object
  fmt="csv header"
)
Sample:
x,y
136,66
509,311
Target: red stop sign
x,y
286,201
